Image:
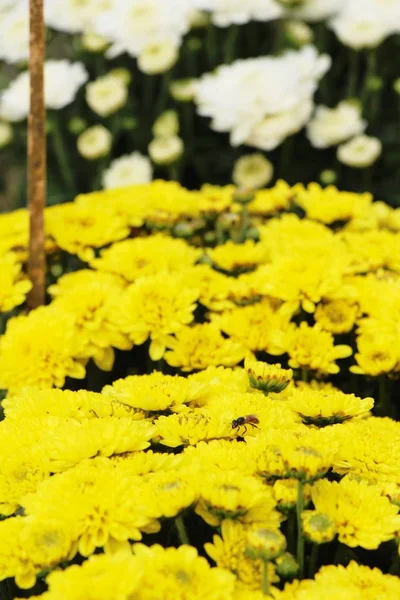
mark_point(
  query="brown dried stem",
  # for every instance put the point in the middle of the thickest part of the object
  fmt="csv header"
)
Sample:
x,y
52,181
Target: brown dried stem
x,y
37,156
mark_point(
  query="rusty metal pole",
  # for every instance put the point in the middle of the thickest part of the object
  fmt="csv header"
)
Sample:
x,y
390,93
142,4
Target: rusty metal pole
x,y
36,156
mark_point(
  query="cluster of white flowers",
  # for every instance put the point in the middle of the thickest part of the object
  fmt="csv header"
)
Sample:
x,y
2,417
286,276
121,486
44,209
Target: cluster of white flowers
x,y
62,80
366,23
262,101
143,27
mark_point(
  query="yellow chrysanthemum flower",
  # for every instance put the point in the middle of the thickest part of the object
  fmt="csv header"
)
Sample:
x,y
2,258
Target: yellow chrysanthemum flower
x,y
231,257
329,205
147,462
155,307
145,256
70,281
229,552
40,350
14,232
214,287
272,200
219,454
257,327
31,402
371,250
377,354
73,497
174,491
214,199
92,304
191,427
232,495
285,493
313,349
303,455
155,392
306,278
218,379
344,503
267,378
79,229
367,447
319,407
180,573
13,285
337,316
317,527
202,346
29,545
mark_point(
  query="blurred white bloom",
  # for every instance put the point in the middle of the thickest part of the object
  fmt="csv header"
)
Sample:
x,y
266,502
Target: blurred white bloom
x,y
6,4
74,16
274,129
238,12
133,25
360,152
366,25
92,42
183,90
6,134
106,95
131,169
62,82
198,19
166,151
299,32
95,142
158,57
14,33
316,10
253,171
122,74
331,126
167,124
261,101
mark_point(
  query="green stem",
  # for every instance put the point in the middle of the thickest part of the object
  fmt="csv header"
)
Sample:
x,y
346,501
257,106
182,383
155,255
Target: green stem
x,y
174,172
229,46
181,529
265,582
291,535
394,568
313,561
62,158
300,536
304,375
211,45
384,406
163,94
371,71
244,223
353,74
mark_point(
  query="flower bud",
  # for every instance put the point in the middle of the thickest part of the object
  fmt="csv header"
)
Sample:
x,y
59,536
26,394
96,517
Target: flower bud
x,y
286,566
122,74
267,378
374,83
95,142
199,19
93,42
182,90
77,125
167,124
158,57
6,134
228,220
183,230
252,171
328,177
299,32
166,151
317,527
243,196
265,544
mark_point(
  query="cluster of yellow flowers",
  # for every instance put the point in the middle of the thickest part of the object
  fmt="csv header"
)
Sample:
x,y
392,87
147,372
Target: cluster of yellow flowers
x,y
201,467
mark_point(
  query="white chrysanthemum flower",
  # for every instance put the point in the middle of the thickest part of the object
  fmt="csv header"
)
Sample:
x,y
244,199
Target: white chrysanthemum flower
x,y
166,151
239,12
238,100
62,81
94,143
360,152
131,169
367,25
331,126
14,33
6,134
74,16
158,57
106,95
252,171
316,10
133,25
